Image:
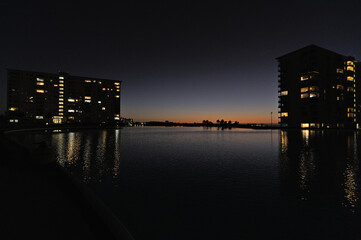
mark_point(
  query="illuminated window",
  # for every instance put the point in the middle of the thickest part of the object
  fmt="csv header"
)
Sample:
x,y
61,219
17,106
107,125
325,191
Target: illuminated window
x,y
350,68
116,83
349,63
339,70
303,78
305,125
116,118
350,115
71,117
13,109
87,101
305,95
338,98
71,110
40,83
100,82
313,95
39,117
99,102
60,110
339,87
117,96
103,89
117,115
61,103
61,85
284,114
304,89
313,88
61,106
350,78
55,85
61,77
71,100
118,90
39,79
87,97
61,114
61,99
39,91
103,108
283,93
350,89
61,92
61,95
61,81
61,89
87,81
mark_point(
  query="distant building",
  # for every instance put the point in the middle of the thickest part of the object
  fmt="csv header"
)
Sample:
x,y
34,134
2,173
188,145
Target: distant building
x,y
319,88
46,98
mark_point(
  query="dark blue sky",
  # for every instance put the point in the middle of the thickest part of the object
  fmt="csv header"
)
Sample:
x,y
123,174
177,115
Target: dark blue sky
x,y
178,60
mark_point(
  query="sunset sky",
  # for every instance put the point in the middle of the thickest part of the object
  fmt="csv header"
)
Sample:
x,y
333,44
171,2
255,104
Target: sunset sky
x,y
179,60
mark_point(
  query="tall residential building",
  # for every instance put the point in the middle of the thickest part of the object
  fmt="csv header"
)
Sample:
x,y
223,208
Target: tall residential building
x,y
47,98
318,88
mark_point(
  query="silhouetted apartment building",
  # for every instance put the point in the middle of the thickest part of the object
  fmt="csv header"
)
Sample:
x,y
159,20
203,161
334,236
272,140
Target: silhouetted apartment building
x,y
318,88
46,98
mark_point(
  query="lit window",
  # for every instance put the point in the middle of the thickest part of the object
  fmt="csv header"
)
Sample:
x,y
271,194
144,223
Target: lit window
x,y
117,115
118,90
339,87
116,83
117,96
100,82
61,99
61,92
55,85
61,77
61,103
60,110
305,125
61,81
99,102
103,108
303,78
350,110
350,78
40,83
71,100
350,89
87,101
39,91
283,93
103,89
61,106
349,63
61,114
116,118
350,114
349,68
61,89
87,81
305,89
87,97
338,98
61,95
305,95
284,114
13,109
39,79
313,88
339,70
71,117
61,85
117,86
39,117
313,95
71,110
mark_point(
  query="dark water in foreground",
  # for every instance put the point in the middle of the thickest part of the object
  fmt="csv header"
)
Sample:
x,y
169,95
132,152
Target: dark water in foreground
x,y
199,183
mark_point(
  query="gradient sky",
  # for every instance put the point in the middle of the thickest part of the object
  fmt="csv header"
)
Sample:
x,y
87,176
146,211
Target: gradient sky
x,y
179,60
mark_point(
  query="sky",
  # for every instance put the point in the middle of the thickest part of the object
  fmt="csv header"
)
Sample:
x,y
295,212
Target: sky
x,y
181,61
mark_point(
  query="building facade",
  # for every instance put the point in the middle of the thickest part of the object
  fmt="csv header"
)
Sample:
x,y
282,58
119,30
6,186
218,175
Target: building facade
x,y
318,88
45,99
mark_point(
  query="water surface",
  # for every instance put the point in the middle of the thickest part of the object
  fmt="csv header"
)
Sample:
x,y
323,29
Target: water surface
x,y
208,183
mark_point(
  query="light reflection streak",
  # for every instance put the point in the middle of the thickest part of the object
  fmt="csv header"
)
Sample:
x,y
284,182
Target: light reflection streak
x,y
74,145
101,148
116,154
87,159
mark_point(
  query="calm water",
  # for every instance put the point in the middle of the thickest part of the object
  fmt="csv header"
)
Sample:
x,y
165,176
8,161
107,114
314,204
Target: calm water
x,y
199,183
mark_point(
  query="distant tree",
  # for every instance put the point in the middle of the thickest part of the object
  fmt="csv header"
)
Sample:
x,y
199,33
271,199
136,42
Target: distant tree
x,y
222,122
236,123
229,122
218,121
